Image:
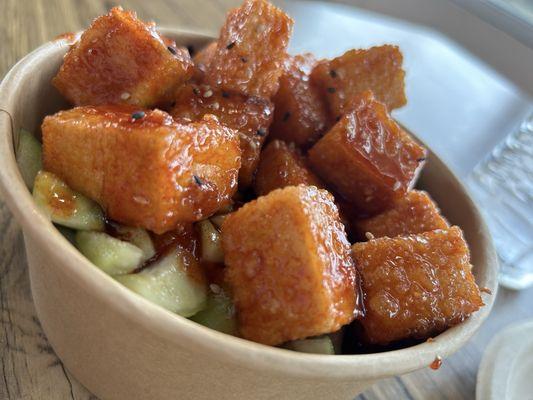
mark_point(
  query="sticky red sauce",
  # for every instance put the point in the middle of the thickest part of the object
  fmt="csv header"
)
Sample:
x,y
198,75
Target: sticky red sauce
x,y
62,202
486,290
436,364
66,35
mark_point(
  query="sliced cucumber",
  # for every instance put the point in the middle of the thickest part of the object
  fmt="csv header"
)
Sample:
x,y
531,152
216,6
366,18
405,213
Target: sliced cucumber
x,y
111,255
317,345
219,313
336,339
218,220
211,242
29,157
137,236
64,206
174,282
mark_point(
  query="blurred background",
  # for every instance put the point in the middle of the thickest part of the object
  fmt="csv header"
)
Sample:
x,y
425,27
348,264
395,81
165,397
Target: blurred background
x,y
469,78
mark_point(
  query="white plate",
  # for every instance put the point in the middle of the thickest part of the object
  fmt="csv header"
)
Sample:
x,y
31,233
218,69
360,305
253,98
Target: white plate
x,y
506,370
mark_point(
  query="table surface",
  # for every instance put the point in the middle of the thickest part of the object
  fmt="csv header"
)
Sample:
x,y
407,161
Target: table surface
x,y
30,369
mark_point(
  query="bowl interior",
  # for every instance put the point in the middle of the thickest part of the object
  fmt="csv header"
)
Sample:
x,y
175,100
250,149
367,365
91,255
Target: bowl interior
x,y
26,96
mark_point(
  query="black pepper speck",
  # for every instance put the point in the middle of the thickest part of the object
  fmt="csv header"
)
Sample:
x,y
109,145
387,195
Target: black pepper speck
x,y
138,115
331,90
230,46
197,180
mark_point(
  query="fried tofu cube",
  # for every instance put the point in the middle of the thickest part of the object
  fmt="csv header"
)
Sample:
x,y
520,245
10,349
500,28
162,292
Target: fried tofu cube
x,y
415,286
300,113
281,165
251,50
414,213
367,157
250,116
122,60
143,168
204,56
288,263
378,69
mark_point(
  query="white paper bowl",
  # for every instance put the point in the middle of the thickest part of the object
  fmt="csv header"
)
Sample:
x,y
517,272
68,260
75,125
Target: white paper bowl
x,y
120,346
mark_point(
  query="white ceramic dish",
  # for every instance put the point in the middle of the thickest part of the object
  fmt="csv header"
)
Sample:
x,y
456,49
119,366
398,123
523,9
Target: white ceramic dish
x,y
506,370
122,347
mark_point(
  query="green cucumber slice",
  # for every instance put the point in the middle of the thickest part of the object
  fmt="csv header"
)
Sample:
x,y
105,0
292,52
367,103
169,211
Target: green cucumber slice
x,y
211,243
174,282
29,157
136,236
65,206
219,313
218,220
111,255
316,345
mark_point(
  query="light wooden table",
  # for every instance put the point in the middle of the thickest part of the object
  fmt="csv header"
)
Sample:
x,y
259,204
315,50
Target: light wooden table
x,y
29,367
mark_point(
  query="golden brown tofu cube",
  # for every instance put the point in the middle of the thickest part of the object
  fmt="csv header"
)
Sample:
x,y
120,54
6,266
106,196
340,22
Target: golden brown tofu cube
x,y
415,286
367,157
414,213
142,167
251,49
122,60
378,69
288,263
204,56
281,165
300,113
250,116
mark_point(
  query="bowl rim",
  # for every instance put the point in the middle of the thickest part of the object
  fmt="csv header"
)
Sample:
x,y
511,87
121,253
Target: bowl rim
x,y
174,328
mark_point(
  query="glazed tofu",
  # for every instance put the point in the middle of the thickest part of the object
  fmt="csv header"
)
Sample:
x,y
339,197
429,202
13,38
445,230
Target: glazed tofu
x,y
415,286
281,165
367,158
288,263
203,57
251,49
250,116
143,168
416,212
378,69
300,113
122,60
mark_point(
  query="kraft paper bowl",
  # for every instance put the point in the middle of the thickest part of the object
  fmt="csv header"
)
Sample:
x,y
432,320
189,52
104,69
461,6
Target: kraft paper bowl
x,y
120,346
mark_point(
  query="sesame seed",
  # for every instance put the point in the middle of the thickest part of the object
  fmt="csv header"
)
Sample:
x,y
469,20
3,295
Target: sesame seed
x,y
225,95
171,49
138,115
286,116
261,131
125,96
215,288
230,46
396,186
369,235
333,73
215,106
331,90
197,180
208,93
